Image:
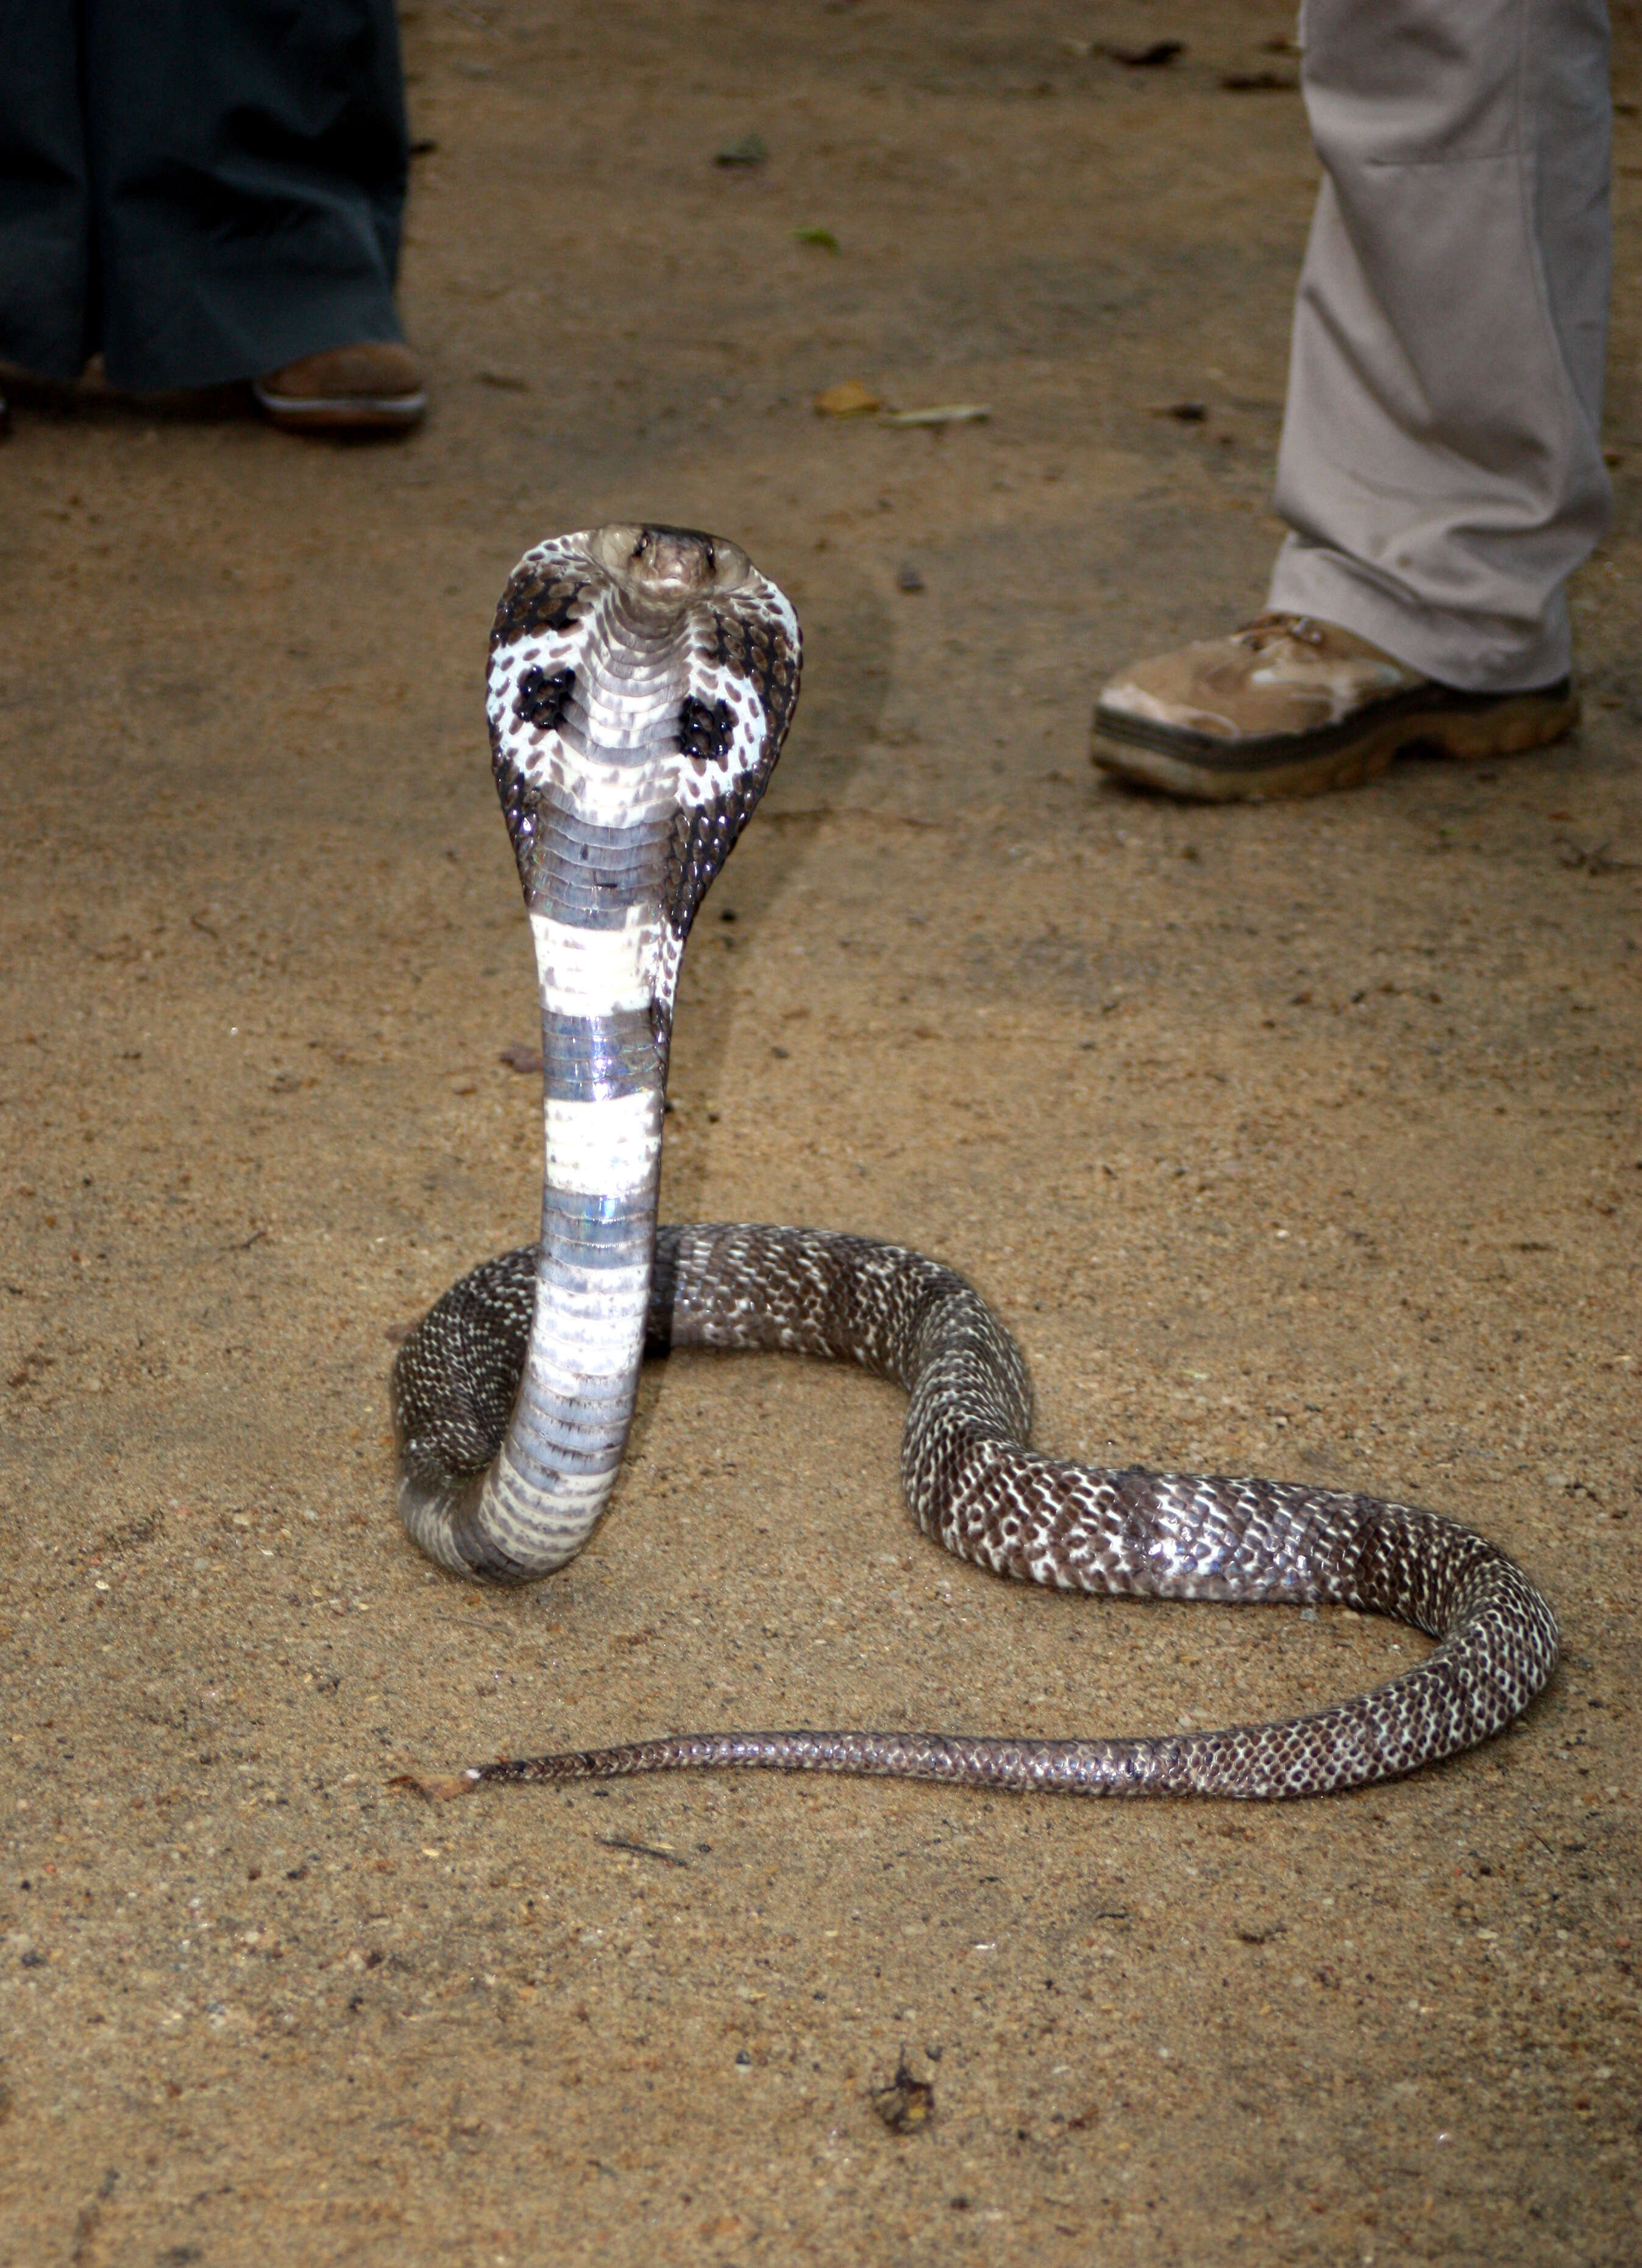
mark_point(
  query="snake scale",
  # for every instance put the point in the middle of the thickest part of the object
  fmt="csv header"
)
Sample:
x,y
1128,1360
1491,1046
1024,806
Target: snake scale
x,y
642,681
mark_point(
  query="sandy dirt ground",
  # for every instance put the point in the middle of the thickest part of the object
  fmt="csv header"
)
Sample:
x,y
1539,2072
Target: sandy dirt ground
x,y
1301,1140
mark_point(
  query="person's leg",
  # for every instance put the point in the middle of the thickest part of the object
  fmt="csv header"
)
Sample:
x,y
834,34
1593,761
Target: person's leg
x,y
46,311
1440,465
250,160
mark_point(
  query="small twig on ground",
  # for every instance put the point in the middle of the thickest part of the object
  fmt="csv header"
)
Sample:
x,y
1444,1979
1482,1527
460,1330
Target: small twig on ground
x,y
643,1849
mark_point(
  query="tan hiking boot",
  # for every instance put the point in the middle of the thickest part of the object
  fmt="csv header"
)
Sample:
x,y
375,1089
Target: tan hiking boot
x,y
1291,706
369,388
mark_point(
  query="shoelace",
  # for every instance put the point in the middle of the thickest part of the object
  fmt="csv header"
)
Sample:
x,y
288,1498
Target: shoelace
x,y
1270,628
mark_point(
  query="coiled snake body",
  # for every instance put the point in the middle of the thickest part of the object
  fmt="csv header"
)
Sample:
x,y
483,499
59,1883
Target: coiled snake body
x,y
642,681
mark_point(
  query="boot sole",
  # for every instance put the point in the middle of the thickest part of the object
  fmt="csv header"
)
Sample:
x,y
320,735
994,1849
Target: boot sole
x,y
295,413
1468,726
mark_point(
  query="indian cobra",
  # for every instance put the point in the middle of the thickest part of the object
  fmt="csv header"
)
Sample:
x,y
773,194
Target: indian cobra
x,y
641,683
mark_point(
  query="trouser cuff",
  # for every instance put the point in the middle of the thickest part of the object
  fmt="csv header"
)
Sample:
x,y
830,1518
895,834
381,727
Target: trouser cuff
x,y
1479,653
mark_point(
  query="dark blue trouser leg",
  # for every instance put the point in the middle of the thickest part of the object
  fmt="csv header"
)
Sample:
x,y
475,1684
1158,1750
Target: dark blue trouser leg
x,y
206,189
46,284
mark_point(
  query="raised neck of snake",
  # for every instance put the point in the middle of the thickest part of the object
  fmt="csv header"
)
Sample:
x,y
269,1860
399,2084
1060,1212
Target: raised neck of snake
x,y
641,682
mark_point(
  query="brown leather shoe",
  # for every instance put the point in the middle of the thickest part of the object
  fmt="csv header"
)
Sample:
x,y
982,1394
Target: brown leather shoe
x,y
373,387
1292,706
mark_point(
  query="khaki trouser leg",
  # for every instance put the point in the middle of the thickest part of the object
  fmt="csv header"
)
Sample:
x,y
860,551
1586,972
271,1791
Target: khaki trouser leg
x,y
1440,465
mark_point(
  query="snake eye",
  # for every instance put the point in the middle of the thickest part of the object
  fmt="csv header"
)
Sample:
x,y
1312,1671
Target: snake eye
x,y
712,554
